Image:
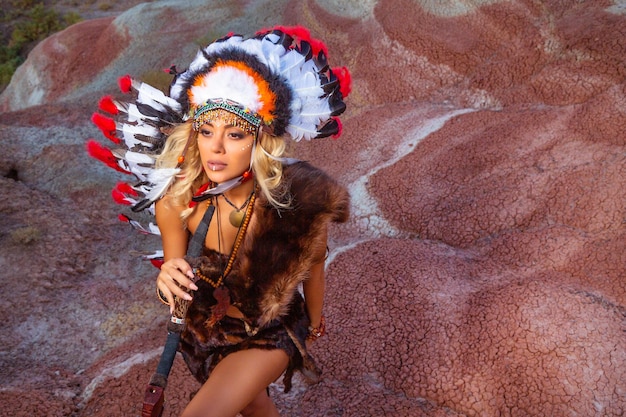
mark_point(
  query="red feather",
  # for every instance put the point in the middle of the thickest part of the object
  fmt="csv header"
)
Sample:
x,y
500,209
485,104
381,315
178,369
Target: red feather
x,y
106,125
123,218
119,197
125,188
202,189
103,154
296,32
318,46
106,104
340,127
300,33
121,191
157,262
125,83
345,80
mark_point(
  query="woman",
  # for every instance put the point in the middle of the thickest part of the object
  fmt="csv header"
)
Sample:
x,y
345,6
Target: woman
x,y
223,171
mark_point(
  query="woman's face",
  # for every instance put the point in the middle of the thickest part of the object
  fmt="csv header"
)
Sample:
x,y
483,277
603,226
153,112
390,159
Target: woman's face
x,y
225,150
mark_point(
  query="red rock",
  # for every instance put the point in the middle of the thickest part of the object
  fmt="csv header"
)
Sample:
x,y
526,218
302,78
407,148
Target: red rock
x,y
480,274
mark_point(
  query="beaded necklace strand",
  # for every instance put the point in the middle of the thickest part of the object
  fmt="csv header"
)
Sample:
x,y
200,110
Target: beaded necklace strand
x,y
233,252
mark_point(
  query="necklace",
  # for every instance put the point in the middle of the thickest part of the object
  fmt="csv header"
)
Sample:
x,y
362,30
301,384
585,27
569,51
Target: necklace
x,y
233,252
237,215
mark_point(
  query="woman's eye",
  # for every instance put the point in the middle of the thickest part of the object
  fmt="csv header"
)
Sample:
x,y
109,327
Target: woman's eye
x,y
237,135
205,132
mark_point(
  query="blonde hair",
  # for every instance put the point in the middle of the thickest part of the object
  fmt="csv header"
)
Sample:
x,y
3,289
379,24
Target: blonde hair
x,y
266,166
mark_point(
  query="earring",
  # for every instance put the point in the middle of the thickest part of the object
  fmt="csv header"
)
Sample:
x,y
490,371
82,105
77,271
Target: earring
x,y
247,175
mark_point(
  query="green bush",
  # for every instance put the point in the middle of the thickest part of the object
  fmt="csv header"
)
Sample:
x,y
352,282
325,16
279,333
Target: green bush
x,y
22,4
32,23
71,18
7,68
38,26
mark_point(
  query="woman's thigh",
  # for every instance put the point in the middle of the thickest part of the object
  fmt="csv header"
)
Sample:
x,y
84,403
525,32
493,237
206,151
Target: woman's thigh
x,y
236,381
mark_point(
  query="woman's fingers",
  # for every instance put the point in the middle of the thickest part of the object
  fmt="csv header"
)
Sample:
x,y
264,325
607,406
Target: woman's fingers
x,y
178,290
181,272
174,278
164,292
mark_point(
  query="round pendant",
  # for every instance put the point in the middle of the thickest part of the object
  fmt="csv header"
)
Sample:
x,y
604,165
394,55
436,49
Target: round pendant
x,y
236,218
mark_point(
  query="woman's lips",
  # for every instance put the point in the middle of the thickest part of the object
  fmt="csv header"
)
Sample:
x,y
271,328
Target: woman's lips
x,y
215,166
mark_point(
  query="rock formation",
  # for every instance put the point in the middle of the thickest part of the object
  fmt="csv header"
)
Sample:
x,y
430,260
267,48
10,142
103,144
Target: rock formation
x,y
482,272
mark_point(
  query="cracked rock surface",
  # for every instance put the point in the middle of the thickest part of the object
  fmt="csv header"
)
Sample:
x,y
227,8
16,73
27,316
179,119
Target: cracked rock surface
x,y
482,272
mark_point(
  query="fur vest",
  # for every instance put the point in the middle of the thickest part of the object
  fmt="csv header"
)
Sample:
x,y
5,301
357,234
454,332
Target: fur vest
x,y
278,250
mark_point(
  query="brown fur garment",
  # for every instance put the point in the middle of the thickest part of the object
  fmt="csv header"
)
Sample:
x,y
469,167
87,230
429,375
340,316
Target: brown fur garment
x,y
281,245
277,253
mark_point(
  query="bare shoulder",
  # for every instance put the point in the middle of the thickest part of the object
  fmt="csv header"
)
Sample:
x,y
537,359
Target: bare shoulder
x,y
167,213
174,235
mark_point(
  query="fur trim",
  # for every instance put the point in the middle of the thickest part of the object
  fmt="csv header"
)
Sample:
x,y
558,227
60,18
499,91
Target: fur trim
x,y
280,246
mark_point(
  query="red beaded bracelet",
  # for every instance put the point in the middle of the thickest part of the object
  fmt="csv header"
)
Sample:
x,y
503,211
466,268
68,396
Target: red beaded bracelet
x,y
317,332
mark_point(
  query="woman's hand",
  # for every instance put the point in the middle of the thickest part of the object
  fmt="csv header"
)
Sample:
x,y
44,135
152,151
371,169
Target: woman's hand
x,y
176,275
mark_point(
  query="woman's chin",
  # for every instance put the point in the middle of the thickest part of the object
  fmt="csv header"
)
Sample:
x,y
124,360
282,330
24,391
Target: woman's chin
x,y
218,177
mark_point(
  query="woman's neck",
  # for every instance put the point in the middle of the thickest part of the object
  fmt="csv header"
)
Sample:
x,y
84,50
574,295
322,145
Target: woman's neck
x,y
240,194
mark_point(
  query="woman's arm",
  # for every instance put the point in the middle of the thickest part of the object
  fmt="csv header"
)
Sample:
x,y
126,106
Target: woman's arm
x,y
315,286
175,238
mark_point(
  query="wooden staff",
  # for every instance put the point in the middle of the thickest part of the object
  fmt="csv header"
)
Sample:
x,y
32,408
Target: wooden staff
x,y
154,396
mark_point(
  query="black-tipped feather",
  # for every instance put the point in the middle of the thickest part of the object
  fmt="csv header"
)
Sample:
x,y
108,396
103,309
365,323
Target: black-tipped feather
x,y
336,104
329,86
305,50
142,205
169,117
330,128
322,61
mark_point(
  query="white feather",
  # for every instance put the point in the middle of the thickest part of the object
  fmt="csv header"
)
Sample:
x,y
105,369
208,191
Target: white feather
x,y
254,47
228,83
315,111
131,201
133,114
158,254
122,106
291,61
155,98
151,229
154,229
198,62
129,132
161,178
176,91
273,55
140,164
217,47
139,158
307,84
302,131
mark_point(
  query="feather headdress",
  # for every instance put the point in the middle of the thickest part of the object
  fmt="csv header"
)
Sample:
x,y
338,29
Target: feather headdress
x,y
280,76
278,81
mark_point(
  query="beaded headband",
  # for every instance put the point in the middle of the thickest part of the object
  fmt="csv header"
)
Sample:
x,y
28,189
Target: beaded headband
x,y
232,113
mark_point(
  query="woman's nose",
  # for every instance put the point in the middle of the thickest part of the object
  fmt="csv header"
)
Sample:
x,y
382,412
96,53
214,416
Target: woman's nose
x,y
217,144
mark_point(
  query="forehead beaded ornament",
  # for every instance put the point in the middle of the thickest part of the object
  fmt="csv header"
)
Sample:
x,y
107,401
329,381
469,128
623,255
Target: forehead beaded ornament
x,y
230,112
278,82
